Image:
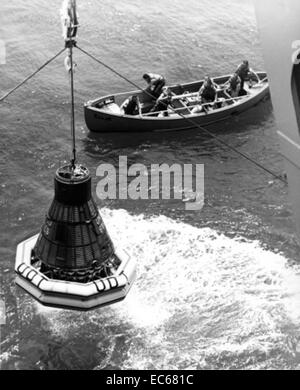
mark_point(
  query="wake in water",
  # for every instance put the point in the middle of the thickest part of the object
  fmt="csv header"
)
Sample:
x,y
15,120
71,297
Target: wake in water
x,y
201,301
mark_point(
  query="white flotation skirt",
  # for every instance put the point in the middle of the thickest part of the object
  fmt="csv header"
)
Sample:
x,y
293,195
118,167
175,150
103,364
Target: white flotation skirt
x,y
72,295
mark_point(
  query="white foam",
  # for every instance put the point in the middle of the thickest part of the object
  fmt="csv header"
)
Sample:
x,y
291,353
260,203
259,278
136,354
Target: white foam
x,y
197,292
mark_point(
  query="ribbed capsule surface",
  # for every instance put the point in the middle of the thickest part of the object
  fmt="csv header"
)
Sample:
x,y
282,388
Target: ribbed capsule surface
x,y
73,236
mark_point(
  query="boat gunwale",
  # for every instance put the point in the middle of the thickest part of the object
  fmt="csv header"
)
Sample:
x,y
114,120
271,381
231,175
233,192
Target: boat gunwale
x,y
91,104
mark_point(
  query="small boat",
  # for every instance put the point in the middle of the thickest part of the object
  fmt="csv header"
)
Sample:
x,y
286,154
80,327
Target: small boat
x,y
105,115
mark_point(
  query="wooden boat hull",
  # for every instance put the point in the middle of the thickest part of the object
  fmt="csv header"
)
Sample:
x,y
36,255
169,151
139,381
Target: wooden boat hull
x,y
102,121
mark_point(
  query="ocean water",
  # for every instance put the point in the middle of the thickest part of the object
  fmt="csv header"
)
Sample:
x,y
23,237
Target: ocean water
x,y
216,289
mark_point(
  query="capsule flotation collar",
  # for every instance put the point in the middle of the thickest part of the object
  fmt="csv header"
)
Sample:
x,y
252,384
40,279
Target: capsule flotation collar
x,y
71,295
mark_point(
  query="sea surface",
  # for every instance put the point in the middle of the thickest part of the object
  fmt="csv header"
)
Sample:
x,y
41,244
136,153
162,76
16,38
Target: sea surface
x,y
216,289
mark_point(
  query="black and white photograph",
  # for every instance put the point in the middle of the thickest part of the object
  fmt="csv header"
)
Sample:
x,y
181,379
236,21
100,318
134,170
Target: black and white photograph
x,y
150,187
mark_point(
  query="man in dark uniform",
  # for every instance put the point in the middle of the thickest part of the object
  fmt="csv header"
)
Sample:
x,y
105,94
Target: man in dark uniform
x,y
163,102
233,86
131,106
244,71
208,91
155,83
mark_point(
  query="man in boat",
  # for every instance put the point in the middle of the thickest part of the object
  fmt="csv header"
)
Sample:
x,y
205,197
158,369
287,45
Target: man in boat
x,y
245,73
131,106
208,93
233,86
163,102
156,82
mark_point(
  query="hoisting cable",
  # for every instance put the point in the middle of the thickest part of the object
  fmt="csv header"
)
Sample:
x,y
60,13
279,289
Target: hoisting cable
x,y
32,75
191,121
70,26
114,71
73,160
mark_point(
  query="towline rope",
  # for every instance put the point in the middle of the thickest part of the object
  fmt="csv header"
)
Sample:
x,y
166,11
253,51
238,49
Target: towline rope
x,y
191,121
31,76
